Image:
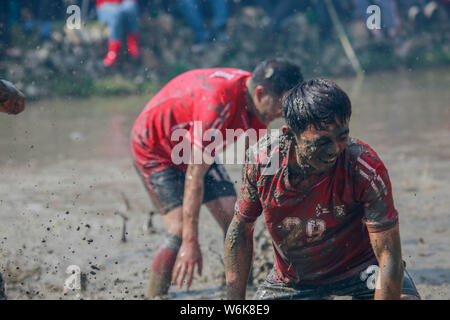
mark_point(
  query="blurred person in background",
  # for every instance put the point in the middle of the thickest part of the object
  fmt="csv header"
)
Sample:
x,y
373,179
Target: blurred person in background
x,y
279,11
193,13
121,18
9,15
390,21
4,32
39,15
421,12
446,4
344,9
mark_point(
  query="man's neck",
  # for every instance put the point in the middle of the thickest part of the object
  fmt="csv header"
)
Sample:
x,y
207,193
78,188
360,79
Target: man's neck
x,y
299,170
250,104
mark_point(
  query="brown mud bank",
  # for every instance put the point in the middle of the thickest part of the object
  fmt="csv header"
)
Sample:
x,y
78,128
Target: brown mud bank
x,y
68,188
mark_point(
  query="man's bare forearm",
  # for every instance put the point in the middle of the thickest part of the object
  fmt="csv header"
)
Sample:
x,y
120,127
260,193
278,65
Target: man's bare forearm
x,y
387,248
192,201
238,258
194,189
390,279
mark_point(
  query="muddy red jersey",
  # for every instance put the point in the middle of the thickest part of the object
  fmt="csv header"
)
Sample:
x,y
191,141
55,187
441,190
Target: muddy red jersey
x,y
188,107
319,234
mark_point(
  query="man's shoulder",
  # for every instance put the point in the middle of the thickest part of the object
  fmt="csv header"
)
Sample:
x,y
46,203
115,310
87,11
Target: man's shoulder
x,y
203,86
218,84
227,73
360,156
210,74
268,152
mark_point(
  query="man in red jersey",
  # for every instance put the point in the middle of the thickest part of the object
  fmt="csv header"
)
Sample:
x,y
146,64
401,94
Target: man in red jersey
x,y
122,19
195,102
328,208
12,101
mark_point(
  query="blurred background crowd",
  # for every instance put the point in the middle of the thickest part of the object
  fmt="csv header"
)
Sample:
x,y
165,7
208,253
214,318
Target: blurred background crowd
x,y
168,36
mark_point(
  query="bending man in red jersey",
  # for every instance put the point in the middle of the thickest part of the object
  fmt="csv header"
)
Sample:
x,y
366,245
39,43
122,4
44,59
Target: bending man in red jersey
x,y
12,101
328,208
192,103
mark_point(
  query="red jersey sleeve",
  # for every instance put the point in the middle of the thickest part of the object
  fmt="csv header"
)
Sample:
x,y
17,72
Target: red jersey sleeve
x,y
379,211
248,205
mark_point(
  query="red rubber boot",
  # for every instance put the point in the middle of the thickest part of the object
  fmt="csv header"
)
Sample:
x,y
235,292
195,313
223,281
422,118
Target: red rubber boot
x,y
133,46
113,53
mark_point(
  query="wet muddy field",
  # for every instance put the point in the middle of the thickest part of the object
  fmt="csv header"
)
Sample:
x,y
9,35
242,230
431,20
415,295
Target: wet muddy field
x,y
70,198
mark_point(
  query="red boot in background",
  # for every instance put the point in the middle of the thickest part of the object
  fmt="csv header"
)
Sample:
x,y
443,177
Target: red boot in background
x,y
133,46
113,53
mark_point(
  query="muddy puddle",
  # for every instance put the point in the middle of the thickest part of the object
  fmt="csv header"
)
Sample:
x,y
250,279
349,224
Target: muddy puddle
x,y
71,200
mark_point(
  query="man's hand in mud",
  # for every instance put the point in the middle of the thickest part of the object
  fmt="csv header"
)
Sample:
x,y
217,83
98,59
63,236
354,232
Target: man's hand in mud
x,y
188,256
12,101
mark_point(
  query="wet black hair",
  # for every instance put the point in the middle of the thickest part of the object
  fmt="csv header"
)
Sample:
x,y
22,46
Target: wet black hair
x,y
276,75
315,102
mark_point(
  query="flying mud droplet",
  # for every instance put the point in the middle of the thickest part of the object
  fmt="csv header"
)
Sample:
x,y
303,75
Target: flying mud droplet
x,y
148,226
124,225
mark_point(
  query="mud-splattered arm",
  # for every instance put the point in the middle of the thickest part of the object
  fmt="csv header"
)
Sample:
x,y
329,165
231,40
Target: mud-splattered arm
x,y
381,219
239,238
238,257
387,248
12,101
190,254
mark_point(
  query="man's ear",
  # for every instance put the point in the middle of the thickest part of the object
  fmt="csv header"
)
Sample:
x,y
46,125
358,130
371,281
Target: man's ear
x,y
260,92
287,131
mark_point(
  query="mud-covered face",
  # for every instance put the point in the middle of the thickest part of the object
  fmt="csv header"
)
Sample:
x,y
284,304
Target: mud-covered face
x,y
321,148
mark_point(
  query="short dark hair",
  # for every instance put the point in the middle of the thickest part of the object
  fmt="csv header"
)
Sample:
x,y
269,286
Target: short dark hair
x,y
276,75
315,102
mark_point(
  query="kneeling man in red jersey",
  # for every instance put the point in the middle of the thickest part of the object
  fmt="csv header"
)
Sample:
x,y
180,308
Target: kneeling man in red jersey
x,y
328,208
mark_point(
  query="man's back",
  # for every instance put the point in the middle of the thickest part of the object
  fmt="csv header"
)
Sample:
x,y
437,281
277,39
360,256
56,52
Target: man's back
x,y
211,98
